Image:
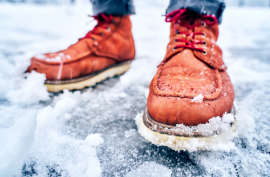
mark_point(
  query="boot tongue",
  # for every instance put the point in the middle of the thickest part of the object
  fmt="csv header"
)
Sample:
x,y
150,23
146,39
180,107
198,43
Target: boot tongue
x,y
191,23
190,17
212,59
183,73
82,47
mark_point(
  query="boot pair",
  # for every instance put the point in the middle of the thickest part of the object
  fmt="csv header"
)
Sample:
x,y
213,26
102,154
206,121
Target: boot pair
x,y
191,85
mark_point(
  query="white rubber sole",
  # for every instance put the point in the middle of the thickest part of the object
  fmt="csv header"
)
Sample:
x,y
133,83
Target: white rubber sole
x,y
184,143
118,70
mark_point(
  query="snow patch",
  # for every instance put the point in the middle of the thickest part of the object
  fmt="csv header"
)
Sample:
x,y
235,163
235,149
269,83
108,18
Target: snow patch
x,y
40,56
215,125
217,128
94,139
68,155
16,139
31,91
65,105
197,99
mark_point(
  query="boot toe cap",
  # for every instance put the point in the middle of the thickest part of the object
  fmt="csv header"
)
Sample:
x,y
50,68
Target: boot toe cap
x,y
176,110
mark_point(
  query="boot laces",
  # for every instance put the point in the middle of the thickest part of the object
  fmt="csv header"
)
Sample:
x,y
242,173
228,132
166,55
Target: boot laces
x,y
102,22
178,16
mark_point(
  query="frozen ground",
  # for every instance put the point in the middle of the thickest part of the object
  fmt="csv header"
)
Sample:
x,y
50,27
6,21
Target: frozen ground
x,y
93,132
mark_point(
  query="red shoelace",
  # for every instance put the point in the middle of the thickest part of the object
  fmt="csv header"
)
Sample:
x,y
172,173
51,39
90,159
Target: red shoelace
x,y
102,22
177,16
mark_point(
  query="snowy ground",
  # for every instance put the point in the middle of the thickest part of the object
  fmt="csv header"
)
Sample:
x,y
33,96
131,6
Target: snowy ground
x,y
93,132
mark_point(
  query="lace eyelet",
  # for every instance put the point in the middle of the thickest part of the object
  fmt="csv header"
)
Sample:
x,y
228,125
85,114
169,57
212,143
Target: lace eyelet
x,y
101,34
205,43
173,49
108,29
177,32
204,52
175,40
93,39
203,24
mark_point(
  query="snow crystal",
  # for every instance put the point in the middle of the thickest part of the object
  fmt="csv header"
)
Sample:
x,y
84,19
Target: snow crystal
x,y
197,99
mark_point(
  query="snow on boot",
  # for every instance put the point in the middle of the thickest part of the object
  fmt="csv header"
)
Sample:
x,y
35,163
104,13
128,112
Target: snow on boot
x,y
105,51
191,91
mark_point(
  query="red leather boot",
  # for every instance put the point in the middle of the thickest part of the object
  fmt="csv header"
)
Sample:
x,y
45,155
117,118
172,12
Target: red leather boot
x,y
105,51
191,85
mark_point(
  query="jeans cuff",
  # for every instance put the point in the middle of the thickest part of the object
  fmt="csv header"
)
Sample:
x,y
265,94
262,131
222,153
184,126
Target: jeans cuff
x,y
204,7
114,8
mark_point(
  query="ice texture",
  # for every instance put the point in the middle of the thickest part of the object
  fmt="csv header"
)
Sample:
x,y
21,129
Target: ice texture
x,y
92,132
53,147
150,169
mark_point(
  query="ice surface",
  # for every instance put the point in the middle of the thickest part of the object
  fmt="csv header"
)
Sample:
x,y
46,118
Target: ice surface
x,y
52,145
92,132
150,169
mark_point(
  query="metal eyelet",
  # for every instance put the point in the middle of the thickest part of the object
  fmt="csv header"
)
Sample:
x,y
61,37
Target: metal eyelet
x,y
101,34
203,24
177,32
204,52
93,39
108,29
205,43
173,49
204,34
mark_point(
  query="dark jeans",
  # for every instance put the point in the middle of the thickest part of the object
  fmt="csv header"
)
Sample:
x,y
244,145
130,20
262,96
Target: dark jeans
x,y
126,7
